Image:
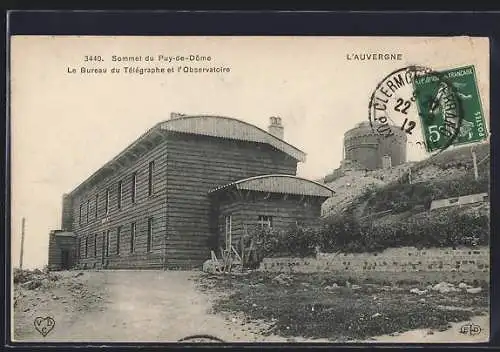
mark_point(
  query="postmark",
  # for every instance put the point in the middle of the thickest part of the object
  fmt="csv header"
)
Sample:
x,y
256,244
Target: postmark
x,y
44,325
398,104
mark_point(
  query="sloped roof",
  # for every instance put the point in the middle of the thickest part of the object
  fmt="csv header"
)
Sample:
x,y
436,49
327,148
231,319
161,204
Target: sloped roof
x,y
63,234
285,184
230,128
207,125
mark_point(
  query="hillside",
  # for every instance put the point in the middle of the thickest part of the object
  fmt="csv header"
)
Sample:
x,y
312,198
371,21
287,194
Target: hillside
x,y
444,175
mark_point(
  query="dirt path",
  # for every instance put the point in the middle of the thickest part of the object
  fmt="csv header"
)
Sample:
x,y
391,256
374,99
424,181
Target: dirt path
x,y
150,306
142,306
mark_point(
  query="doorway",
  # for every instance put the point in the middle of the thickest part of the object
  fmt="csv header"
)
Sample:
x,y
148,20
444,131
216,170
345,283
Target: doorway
x,y
65,259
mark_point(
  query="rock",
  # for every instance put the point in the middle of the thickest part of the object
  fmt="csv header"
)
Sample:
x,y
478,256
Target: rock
x,y
474,290
282,279
254,305
444,287
26,310
332,287
376,315
418,291
211,266
78,274
32,284
422,300
355,287
54,297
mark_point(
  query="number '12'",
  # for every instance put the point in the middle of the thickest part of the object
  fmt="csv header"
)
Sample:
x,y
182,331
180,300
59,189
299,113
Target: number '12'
x,y
411,125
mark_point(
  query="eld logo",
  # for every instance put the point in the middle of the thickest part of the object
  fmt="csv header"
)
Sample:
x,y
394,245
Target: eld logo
x,y
470,329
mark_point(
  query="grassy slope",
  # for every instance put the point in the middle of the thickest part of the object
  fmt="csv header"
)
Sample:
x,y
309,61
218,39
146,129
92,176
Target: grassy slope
x,y
405,197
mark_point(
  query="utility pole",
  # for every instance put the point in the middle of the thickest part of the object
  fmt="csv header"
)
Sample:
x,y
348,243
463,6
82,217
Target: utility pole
x,y
23,222
474,161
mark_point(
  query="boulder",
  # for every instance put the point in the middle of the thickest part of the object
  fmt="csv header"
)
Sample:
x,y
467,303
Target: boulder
x,y
474,290
211,266
464,286
444,287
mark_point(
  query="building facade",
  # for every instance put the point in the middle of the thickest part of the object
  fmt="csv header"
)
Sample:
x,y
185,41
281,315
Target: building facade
x,y
153,205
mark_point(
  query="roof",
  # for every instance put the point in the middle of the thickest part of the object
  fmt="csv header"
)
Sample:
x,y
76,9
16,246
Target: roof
x,y
207,125
286,184
63,233
230,128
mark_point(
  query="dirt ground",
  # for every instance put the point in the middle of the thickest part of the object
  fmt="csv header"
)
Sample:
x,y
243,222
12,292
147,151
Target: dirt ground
x,y
150,306
128,306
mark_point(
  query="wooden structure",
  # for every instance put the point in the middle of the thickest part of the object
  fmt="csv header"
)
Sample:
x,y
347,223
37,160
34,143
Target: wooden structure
x,y
63,250
153,205
274,201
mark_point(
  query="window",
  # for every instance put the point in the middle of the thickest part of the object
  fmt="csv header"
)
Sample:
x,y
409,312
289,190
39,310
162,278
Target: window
x,y
80,216
150,235
95,245
132,237
134,186
228,232
96,204
88,210
108,243
106,205
85,252
265,221
118,235
150,177
120,184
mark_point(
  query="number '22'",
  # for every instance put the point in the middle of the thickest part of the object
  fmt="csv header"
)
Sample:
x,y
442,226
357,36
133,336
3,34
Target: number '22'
x,y
405,107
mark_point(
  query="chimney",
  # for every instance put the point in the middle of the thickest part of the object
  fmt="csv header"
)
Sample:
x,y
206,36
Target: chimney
x,y
176,115
275,127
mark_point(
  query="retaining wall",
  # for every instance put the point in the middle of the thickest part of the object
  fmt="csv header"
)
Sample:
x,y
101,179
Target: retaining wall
x,y
396,260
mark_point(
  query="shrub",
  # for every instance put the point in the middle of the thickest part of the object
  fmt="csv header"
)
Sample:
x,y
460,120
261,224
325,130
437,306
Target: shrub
x,y
295,241
446,229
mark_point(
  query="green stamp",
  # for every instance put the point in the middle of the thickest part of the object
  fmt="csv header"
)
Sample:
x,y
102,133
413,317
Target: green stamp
x,y
450,108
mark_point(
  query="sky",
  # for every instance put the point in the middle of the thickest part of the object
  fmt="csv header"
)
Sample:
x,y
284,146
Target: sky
x,y
65,125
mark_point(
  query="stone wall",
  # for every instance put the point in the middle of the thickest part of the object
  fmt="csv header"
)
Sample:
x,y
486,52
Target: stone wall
x,y
459,201
404,259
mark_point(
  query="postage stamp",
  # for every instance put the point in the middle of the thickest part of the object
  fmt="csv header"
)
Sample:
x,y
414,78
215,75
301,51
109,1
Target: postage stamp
x,y
236,189
440,114
445,105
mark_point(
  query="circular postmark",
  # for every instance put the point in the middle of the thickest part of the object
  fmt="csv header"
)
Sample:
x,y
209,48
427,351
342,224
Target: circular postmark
x,y
419,104
203,338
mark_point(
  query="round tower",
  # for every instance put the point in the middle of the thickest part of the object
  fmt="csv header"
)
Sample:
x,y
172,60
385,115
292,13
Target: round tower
x,y
374,151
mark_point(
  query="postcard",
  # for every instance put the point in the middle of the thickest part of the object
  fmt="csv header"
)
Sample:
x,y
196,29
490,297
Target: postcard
x,y
250,189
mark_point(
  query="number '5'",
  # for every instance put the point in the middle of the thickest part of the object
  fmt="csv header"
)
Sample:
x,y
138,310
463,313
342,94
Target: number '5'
x,y
434,135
